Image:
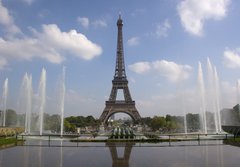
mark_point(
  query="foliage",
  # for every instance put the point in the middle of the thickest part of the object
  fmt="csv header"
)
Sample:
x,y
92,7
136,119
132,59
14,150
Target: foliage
x,y
69,127
146,121
193,122
170,123
4,141
157,122
71,123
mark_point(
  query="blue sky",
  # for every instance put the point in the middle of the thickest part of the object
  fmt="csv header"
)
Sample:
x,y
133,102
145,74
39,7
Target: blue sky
x,y
163,42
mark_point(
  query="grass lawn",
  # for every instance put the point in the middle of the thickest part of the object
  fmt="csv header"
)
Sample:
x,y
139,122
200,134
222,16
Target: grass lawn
x,y
6,141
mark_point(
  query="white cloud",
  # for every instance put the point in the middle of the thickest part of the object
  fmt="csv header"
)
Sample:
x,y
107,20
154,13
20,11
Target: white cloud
x,y
7,21
193,13
231,58
72,41
32,48
134,41
172,71
84,21
51,44
162,29
140,67
168,69
100,23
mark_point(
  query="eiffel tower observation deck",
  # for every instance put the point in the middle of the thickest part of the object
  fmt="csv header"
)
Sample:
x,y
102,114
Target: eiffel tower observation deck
x,y
120,82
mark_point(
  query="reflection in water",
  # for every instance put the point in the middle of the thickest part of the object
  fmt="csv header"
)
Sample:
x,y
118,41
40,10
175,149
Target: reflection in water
x,y
61,155
40,155
120,161
220,155
209,153
206,156
26,157
1,159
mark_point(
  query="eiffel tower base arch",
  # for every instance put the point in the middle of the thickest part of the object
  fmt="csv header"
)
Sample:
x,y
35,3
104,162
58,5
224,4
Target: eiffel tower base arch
x,y
120,107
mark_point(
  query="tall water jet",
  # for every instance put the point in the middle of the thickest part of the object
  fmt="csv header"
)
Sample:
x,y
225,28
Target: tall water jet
x,y
42,98
5,95
26,100
217,91
238,91
184,112
62,97
212,94
202,98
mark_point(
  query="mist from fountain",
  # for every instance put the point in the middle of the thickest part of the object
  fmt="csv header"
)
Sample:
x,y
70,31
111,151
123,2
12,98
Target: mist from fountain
x,y
42,98
214,95
238,91
185,121
26,100
210,94
4,97
202,98
184,112
62,97
217,90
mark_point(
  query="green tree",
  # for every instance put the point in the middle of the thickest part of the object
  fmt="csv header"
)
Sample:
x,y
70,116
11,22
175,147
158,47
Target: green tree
x,y
146,121
157,123
69,127
52,122
193,122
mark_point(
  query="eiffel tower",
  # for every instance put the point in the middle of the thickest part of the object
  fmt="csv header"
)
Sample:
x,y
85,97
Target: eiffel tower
x,y
120,82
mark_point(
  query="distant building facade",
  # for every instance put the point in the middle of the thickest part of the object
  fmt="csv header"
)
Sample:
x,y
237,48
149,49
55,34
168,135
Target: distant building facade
x,y
231,116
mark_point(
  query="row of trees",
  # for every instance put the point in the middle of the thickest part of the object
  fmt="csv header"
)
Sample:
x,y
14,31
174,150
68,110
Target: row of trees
x,y
72,122
157,123
51,122
172,123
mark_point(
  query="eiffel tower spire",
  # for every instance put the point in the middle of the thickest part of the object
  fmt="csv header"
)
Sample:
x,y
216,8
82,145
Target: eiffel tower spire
x,y
120,66
120,82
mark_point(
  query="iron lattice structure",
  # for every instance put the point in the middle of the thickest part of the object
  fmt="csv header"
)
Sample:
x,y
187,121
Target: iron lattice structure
x,y
120,82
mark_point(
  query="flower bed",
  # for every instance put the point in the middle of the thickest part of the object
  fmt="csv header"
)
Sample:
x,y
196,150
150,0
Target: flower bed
x,y
7,131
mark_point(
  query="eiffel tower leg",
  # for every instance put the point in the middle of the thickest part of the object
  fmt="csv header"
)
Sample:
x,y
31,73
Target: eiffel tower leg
x,y
105,114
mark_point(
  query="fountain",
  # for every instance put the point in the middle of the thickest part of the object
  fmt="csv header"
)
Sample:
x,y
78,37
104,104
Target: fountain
x,y
5,95
202,98
209,97
26,100
210,92
42,99
184,112
213,95
62,97
217,91
209,100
